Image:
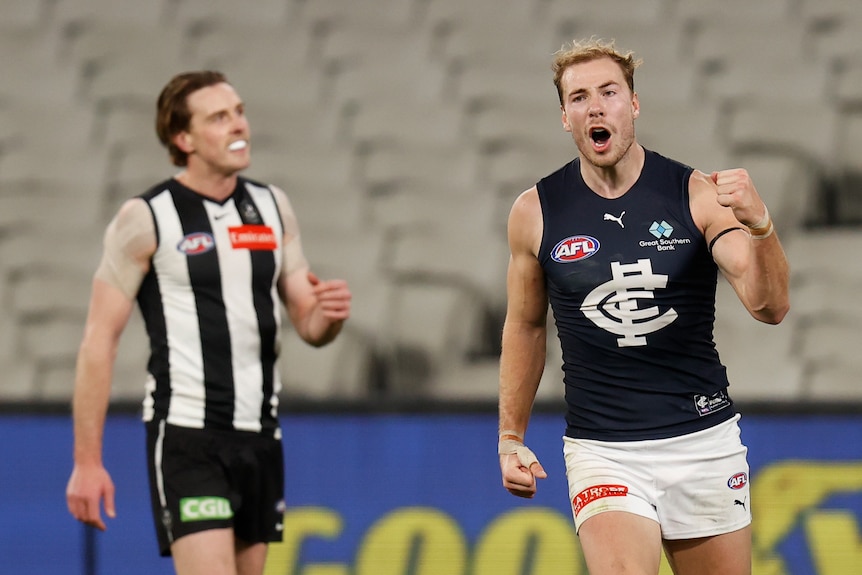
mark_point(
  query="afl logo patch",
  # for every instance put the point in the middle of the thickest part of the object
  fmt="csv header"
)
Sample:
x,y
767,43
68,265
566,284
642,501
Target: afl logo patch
x,y
575,248
738,481
196,243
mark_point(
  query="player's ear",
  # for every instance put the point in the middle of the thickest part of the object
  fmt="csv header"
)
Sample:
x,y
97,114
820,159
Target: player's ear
x,y
565,119
636,105
183,141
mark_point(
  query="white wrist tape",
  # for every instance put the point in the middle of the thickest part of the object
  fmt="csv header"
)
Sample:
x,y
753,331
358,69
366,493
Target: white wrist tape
x,y
512,432
757,230
765,234
764,221
512,447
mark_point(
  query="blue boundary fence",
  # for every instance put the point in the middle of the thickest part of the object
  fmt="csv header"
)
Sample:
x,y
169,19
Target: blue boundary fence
x,y
388,492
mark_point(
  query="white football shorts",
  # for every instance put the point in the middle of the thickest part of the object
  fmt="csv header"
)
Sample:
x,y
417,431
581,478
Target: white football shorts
x,y
694,485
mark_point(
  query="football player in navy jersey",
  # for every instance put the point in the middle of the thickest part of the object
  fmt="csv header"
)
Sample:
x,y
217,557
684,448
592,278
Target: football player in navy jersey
x,y
626,246
209,256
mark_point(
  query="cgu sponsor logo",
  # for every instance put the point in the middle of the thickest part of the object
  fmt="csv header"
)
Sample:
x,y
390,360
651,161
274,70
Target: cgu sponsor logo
x,y
251,237
738,481
575,248
596,492
196,243
204,508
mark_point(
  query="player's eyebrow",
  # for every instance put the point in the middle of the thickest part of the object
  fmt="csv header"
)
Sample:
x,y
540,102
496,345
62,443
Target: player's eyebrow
x,y
607,84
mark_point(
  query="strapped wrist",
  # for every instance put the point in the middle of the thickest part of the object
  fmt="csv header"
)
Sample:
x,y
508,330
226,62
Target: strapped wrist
x,y
764,223
762,234
510,434
509,441
762,229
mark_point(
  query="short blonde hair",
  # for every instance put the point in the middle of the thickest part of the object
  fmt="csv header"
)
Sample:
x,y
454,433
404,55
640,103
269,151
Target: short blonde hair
x,y
580,51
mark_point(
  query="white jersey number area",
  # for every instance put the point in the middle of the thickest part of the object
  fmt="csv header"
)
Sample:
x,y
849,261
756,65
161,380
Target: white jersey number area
x,y
614,306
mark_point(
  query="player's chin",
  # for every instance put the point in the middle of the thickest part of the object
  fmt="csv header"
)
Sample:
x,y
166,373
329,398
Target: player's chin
x,y
239,162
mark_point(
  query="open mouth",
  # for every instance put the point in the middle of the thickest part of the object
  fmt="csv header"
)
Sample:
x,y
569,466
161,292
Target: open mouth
x,y
237,145
599,136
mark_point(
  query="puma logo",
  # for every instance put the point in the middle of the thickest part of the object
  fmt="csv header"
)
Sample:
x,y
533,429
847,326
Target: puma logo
x,y
738,502
619,220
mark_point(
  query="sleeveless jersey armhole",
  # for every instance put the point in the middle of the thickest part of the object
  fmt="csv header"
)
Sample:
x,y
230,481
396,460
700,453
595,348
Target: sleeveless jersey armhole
x,y
686,203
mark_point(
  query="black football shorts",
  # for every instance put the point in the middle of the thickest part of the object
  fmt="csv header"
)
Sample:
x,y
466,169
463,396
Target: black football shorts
x,y
203,479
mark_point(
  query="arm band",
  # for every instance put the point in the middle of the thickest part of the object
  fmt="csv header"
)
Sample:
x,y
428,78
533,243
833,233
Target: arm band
x,y
721,233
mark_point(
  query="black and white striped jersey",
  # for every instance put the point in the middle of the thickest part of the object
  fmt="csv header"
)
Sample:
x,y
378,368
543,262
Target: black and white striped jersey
x,y
211,308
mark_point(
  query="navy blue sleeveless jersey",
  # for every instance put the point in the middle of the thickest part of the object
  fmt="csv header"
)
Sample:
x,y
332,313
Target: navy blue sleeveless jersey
x,y
631,285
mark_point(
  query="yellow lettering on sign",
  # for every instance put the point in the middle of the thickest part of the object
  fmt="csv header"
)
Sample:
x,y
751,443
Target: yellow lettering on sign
x,y
299,525
326,569
664,567
541,541
834,542
781,494
534,541
414,540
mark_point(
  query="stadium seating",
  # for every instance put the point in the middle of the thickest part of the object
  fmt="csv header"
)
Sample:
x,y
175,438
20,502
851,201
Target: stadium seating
x,y
402,131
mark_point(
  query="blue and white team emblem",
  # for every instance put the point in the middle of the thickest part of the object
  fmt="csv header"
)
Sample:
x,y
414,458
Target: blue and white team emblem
x,y
613,305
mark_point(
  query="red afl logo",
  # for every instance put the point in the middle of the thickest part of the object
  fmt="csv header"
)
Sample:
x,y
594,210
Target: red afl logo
x,y
574,248
196,243
738,481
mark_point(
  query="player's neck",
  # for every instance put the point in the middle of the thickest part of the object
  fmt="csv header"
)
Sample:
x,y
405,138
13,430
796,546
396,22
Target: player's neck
x,y
614,181
215,186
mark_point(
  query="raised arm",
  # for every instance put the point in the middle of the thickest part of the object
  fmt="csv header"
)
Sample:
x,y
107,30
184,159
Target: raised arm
x,y
744,242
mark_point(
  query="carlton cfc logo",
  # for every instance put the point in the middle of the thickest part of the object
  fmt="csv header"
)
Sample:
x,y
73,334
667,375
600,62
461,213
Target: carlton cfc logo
x,y
196,243
575,248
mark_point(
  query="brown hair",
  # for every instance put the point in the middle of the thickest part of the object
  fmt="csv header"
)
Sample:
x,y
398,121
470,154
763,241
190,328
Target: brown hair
x,y
172,110
580,51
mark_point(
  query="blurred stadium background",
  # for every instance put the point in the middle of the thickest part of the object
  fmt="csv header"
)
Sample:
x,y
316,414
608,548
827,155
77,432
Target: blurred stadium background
x,y
402,130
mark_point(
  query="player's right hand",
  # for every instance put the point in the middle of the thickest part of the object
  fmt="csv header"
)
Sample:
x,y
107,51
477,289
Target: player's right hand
x,y
520,468
87,487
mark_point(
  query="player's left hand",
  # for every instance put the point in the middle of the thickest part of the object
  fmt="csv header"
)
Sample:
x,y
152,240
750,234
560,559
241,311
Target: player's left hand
x,y
736,191
333,297
520,468
89,486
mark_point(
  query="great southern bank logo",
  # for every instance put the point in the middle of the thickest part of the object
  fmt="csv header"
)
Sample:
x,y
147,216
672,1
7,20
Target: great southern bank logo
x,y
661,230
575,248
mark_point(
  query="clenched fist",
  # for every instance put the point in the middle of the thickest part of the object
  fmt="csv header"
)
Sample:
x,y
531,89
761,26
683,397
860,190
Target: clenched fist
x,y
736,191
